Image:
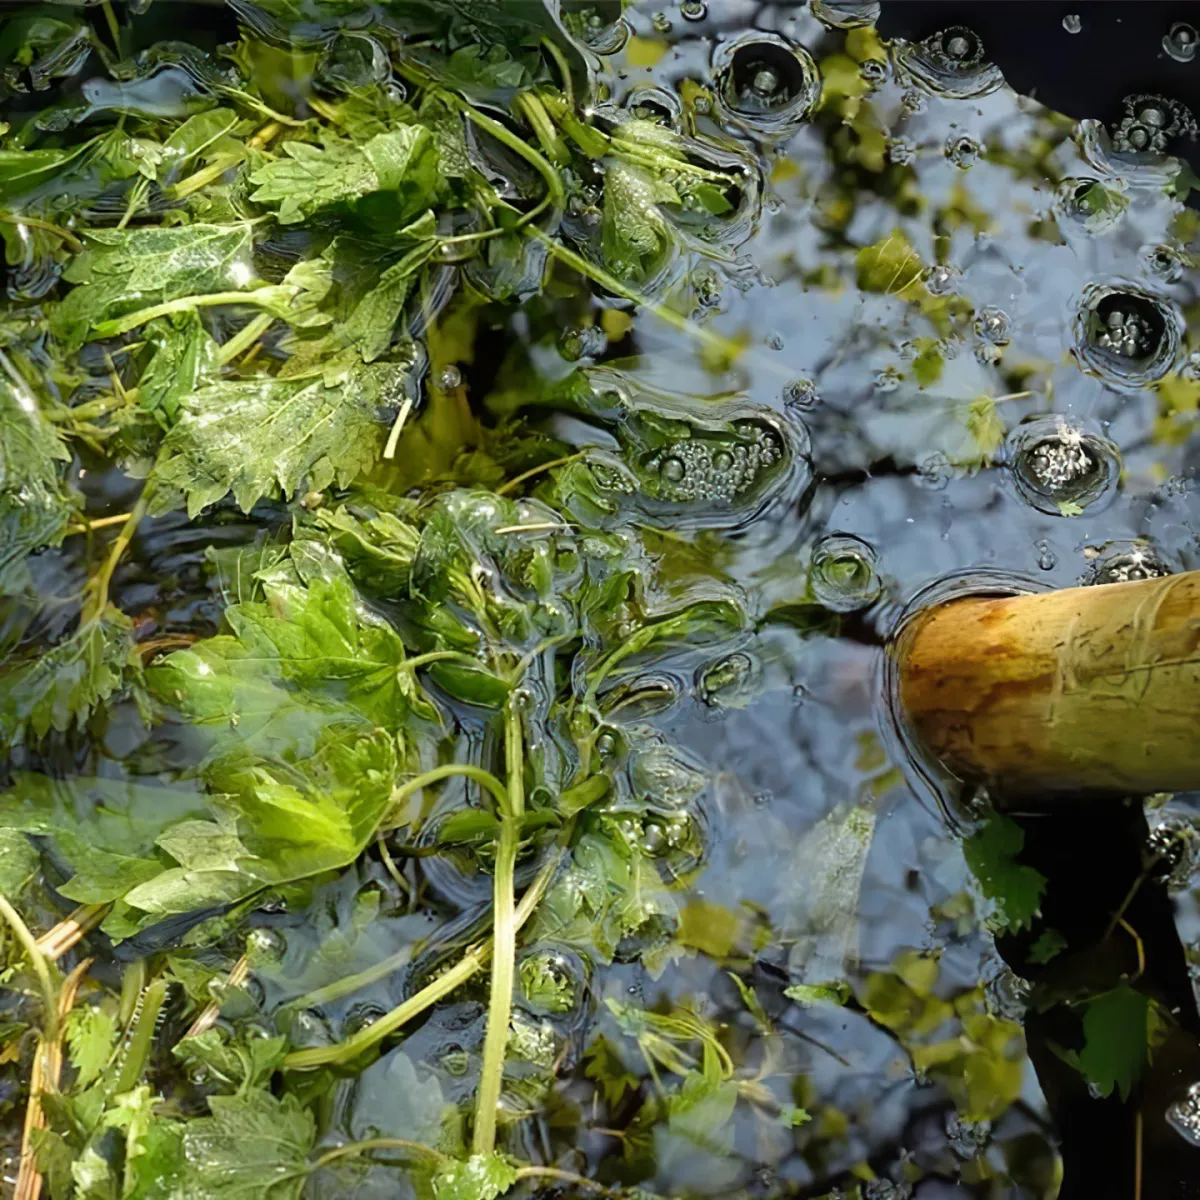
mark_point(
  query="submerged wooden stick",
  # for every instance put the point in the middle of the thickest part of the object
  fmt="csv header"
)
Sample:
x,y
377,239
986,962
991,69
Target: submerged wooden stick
x,y
1093,689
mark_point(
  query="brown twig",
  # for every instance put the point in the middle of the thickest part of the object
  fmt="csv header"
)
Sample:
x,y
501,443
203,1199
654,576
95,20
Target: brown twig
x,y
237,976
47,1068
54,943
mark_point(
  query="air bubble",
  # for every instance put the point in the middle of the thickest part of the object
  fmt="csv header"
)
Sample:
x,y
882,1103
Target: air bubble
x,y
649,102
1180,42
1125,336
726,681
661,22
801,395
664,777
584,342
264,946
887,379
951,64
673,470
1047,559
1184,1116
1171,851
963,151
941,279
1164,263
552,980
902,151
765,84
1072,23
1060,468
693,10
598,23
1127,562
362,1016
449,378
842,576
968,1139
309,1028
873,70
993,325
845,14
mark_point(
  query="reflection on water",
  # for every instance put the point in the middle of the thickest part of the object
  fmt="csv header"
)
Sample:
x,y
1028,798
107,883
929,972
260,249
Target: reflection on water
x,y
953,343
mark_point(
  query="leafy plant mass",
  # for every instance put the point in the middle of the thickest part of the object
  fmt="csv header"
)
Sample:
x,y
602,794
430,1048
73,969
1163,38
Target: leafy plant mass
x,y
362,594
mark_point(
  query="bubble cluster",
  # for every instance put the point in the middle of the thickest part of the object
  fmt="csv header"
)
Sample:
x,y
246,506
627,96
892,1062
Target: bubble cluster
x,y
950,63
765,84
842,575
801,394
1126,336
705,470
598,23
1171,851
1060,468
902,151
693,10
1150,123
1125,562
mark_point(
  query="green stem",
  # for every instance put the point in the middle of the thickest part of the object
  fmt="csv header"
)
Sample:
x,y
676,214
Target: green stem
x,y
245,337
41,968
443,985
667,315
564,70
504,939
353,1149
118,325
485,779
98,586
67,238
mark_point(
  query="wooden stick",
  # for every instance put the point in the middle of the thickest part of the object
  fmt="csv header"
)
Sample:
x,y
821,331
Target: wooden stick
x,y
1093,689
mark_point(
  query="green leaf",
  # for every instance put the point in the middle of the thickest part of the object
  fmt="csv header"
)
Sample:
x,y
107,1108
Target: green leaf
x,y
603,1063
890,266
1120,1030
991,854
1049,945
35,505
635,236
263,437
101,829
302,659
60,688
481,1177
122,271
18,862
185,359
253,1147
238,1061
91,1035
306,179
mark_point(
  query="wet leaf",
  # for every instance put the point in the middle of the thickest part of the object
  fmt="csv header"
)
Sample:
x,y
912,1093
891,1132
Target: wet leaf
x,y
992,856
481,1177
1120,1028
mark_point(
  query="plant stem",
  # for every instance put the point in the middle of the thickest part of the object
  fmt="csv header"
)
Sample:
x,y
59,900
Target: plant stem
x,y
119,325
669,316
37,960
98,586
504,939
67,238
485,779
516,481
89,526
245,337
351,1149
443,985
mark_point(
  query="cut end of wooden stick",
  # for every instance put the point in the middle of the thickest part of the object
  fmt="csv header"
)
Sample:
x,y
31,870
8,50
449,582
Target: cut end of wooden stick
x,y
1085,690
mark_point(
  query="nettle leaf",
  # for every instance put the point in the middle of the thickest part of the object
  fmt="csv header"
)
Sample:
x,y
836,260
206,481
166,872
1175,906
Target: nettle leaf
x,y
91,1036
295,663
635,236
252,1147
992,856
481,1177
239,1061
262,437
306,179
122,271
61,686
100,832
35,504
185,359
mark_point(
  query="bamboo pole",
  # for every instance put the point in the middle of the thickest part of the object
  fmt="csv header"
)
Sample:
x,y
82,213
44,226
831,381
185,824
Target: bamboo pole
x,y
1093,689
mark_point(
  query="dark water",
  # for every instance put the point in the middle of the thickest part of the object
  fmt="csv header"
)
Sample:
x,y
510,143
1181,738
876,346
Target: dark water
x,y
944,408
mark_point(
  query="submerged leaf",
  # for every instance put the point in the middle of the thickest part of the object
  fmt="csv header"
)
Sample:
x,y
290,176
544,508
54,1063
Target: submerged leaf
x,y
992,856
263,437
